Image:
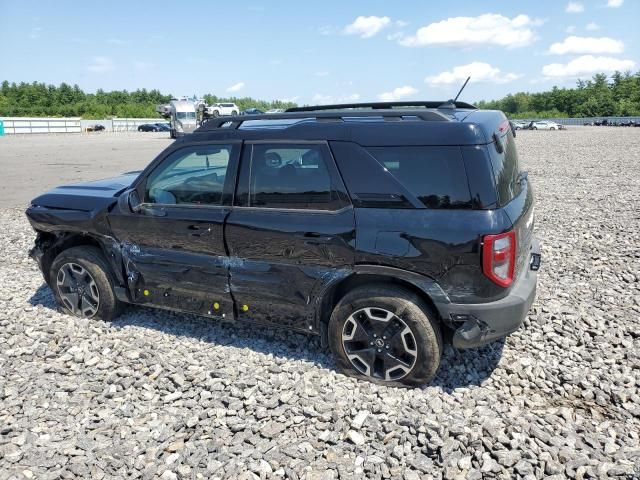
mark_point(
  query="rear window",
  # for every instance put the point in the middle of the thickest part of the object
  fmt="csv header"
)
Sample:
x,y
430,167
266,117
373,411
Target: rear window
x,y
505,169
435,175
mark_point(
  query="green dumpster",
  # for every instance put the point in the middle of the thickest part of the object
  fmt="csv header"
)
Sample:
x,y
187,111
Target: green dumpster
x,y
1,128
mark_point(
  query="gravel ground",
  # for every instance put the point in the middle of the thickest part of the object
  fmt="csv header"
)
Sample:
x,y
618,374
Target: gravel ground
x,y
175,396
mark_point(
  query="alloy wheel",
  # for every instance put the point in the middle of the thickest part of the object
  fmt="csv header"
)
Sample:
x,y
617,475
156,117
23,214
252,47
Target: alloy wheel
x,y
379,344
78,290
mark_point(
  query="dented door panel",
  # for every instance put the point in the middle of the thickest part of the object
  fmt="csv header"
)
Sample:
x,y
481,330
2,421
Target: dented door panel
x,y
279,260
177,261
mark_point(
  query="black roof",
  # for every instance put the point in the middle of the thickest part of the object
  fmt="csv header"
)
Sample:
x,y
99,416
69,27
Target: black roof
x,y
367,124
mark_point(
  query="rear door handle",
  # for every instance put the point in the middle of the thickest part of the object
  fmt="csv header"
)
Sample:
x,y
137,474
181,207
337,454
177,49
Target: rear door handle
x,y
315,237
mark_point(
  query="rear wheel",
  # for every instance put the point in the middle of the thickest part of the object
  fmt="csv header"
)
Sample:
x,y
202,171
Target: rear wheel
x,y
82,283
385,334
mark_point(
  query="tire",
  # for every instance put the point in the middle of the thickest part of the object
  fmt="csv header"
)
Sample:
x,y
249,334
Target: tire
x,y
216,113
234,113
552,128
389,310
534,128
98,299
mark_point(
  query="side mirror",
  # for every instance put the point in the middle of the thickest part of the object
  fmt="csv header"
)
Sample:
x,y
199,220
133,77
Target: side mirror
x,y
133,200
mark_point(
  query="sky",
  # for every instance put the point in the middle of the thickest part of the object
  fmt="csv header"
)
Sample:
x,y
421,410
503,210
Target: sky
x,y
314,52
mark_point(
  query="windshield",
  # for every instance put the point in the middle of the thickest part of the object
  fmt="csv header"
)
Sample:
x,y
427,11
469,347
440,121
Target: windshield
x,y
186,115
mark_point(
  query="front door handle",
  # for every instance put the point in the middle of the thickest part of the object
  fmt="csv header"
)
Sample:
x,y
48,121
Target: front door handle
x,y
198,231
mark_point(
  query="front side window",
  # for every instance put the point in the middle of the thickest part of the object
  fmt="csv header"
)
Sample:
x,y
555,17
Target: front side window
x,y
192,175
289,176
435,175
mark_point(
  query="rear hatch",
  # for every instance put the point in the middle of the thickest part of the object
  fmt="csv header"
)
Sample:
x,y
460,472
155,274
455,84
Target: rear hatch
x,y
514,191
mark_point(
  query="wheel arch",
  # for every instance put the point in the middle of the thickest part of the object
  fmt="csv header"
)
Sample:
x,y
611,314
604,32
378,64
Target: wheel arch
x,y
53,244
426,288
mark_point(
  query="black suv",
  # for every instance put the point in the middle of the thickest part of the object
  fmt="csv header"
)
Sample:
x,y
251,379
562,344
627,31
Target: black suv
x,y
378,227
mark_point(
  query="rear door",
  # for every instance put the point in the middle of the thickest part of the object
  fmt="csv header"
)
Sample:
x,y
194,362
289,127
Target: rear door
x,y
291,229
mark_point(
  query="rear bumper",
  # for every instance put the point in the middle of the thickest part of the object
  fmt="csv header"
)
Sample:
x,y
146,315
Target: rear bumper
x,y
482,323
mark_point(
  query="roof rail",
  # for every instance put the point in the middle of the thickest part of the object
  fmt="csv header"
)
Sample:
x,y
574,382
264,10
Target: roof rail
x,y
377,106
235,121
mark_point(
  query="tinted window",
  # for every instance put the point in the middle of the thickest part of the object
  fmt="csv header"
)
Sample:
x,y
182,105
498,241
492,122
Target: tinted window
x,y
435,175
289,176
192,175
505,169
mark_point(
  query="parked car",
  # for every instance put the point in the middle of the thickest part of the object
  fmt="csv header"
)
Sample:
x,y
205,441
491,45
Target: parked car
x,y
163,127
545,125
149,127
95,128
252,111
282,228
219,109
275,110
519,124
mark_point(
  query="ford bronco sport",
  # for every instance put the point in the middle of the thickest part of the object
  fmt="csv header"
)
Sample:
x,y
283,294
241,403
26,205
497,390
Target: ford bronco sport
x,y
376,226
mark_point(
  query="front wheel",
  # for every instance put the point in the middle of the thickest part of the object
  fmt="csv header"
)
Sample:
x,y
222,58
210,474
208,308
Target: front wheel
x,y
234,113
386,334
82,284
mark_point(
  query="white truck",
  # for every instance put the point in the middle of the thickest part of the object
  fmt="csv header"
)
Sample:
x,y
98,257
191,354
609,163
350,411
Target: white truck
x,y
218,109
182,116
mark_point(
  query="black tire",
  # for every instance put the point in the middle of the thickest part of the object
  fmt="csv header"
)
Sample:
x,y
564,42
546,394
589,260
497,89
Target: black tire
x,y
412,311
234,113
216,113
93,262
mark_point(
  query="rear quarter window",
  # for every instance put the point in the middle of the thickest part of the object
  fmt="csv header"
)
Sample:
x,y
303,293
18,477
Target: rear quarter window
x,y
505,168
435,175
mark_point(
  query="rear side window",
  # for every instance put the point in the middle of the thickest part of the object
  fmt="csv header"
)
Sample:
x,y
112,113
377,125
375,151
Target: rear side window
x,y
289,176
435,175
505,168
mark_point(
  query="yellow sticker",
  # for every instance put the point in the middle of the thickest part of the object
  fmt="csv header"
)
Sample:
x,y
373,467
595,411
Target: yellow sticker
x,y
146,293
216,306
245,308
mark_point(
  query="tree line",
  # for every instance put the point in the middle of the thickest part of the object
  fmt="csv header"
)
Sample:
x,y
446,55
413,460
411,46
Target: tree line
x,y
600,96
41,100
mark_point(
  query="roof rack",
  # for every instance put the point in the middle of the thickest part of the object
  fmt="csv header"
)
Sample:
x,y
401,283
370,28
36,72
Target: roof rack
x,y
378,106
234,122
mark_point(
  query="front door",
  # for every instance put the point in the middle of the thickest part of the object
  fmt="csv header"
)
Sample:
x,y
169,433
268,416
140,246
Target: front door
x,y
173,248
291,229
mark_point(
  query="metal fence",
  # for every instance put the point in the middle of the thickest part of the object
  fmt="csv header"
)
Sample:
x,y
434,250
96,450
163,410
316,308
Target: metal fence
x,y
585,120
41,125
27,125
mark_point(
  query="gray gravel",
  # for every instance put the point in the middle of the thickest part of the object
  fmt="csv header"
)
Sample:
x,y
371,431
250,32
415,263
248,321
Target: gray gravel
x,y
156,394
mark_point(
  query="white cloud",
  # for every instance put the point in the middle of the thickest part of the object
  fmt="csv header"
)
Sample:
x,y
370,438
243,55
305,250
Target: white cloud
x,y
574,7
592,26
328,99
236,87
487,29
101,65
35,33
571,29
587,65
614,3
478,71
327,30
367,27
398,93
580,45
395,36
401,23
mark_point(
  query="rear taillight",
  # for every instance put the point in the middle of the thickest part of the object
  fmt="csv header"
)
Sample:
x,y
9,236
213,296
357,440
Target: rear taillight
x,y
499,257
